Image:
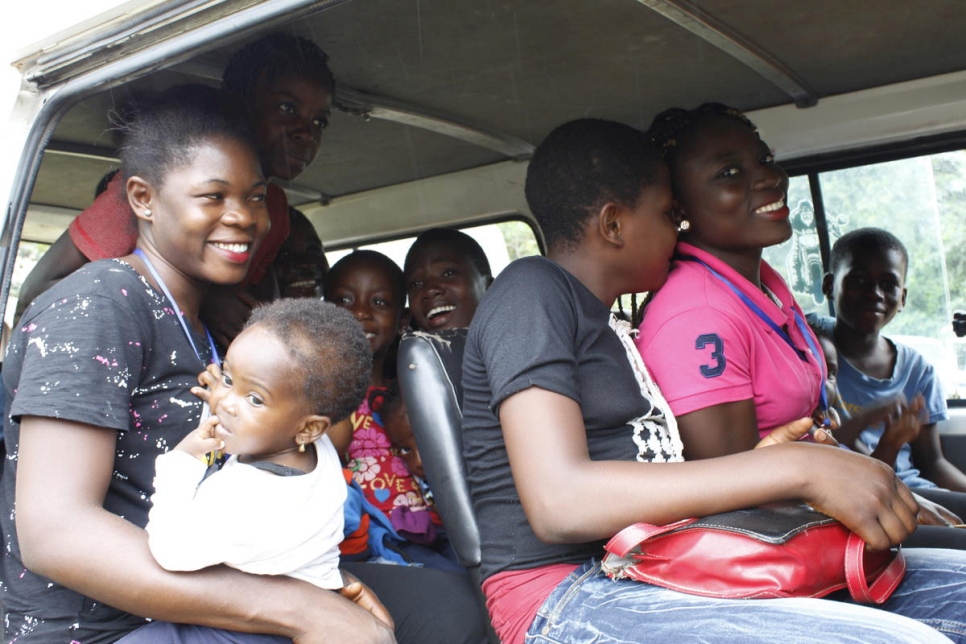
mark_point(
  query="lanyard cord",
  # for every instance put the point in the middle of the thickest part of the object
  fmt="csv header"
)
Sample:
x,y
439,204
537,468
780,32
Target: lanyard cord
x,y
215,359
799,322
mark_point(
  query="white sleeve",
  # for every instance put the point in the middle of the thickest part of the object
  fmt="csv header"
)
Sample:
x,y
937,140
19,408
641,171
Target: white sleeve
x,y
184,528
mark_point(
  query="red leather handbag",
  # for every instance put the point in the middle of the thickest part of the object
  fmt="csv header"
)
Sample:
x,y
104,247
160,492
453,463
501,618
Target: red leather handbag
x,y
758,553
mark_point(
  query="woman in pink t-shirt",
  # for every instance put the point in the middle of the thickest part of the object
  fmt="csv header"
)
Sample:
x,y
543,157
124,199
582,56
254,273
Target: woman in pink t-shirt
x,y
735,358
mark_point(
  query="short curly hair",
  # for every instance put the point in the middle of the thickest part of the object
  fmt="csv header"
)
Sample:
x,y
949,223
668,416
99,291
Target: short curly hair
x,y
580,166
276,55
330,352
865,239
364,255
452,238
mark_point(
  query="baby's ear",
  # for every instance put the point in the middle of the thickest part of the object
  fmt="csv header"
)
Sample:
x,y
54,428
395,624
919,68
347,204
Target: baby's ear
x,y
312,428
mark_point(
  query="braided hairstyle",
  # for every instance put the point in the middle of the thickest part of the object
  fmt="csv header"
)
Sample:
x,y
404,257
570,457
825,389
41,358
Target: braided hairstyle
x,y
672,125
277,55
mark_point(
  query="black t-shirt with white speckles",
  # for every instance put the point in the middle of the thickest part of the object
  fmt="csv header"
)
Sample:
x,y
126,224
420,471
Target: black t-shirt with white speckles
x,y
102,348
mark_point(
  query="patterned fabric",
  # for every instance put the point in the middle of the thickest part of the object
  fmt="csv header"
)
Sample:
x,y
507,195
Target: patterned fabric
x,y
102,348
380,473
656,435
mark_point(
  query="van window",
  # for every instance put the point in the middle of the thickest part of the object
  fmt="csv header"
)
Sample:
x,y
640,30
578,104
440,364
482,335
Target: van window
x,y
922,200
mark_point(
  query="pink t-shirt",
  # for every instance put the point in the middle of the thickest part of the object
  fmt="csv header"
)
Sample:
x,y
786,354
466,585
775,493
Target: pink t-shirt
x,y
705,346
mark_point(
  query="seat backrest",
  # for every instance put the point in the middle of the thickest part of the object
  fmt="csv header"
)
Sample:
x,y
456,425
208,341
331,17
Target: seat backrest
x,y
430,374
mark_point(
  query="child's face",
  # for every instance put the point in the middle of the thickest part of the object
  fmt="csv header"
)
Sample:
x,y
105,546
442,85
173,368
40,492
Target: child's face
x,y
290,114
259,404
444,287
868,289
730,188
650,234
365,288
208,215
400,433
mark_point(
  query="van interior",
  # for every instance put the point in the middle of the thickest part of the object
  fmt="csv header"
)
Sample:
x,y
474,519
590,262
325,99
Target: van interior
x,y
440,104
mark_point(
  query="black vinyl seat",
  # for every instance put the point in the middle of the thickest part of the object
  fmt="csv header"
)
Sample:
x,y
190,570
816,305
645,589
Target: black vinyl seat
x,y
430,375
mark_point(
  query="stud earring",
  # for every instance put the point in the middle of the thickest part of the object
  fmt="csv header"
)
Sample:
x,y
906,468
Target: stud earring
x,y
684,225
301,447
147,213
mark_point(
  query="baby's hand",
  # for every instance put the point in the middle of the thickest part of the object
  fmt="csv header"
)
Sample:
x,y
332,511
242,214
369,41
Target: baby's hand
x,y
202,440
356,591
208,378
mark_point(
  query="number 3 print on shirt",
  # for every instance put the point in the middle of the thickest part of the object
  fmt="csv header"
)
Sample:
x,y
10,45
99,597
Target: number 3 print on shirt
x,y
717,367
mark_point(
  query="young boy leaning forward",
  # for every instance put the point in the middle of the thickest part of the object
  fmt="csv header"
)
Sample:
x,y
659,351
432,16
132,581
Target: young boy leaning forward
x,y
275,506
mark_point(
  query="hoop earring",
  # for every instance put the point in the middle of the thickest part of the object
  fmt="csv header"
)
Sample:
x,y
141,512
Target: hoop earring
x,y
301,447
684,225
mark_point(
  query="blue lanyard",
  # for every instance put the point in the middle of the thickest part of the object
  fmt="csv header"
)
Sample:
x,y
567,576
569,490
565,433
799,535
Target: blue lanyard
x,y
822,396
215,359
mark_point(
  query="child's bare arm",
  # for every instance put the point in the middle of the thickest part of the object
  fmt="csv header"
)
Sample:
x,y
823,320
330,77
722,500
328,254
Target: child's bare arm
x,y
927,455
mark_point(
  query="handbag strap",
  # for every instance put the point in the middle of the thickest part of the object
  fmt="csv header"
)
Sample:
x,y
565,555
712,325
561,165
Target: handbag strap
x,y
634,535
885,582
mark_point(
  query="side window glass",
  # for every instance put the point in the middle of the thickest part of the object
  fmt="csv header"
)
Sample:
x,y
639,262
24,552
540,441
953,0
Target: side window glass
x,y
799,260
922,201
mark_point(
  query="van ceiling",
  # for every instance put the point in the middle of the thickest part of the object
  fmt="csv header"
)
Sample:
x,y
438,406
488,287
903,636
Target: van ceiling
x,y
463,83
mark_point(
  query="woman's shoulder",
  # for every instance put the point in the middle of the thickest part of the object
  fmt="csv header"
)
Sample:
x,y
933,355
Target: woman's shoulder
x,y
534,275
533,287
104,281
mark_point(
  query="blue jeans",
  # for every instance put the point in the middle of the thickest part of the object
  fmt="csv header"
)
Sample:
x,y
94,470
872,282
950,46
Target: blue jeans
x,y
590,607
